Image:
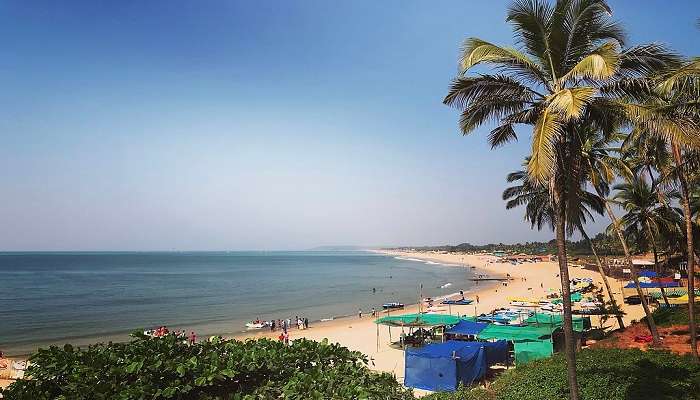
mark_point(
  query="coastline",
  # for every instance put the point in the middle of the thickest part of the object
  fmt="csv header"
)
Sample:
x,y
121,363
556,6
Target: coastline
x,y
361,334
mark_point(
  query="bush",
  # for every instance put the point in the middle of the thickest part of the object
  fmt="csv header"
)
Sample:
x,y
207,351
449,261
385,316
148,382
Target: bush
x,y
166,368
667,316
612,374
606,374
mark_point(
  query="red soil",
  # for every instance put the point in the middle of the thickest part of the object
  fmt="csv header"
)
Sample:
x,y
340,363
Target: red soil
x,y
675,339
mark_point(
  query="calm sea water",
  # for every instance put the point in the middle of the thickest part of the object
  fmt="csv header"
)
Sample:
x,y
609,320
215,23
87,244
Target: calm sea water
x,y
53,298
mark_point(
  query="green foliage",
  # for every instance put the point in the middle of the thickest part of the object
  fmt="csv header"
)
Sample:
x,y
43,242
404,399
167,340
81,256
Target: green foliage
x,y
671,316
612,374
167,368
605,244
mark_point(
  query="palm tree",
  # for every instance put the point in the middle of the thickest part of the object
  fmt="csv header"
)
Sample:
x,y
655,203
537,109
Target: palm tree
x,y
645,218
567,51
671,110
539,212
602,169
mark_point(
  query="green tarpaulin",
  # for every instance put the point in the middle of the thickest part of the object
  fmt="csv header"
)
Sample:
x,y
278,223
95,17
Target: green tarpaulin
x,y
418,320
672,293
529,351
575,298
515,333
557,320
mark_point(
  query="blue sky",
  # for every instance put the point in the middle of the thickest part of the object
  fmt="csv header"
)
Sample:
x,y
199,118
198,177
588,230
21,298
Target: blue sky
x,y
202,125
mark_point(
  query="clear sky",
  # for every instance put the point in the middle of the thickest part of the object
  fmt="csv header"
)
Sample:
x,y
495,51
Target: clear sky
x,y
195,125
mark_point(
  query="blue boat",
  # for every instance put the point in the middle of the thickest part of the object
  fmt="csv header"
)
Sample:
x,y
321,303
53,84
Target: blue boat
x,y
460,302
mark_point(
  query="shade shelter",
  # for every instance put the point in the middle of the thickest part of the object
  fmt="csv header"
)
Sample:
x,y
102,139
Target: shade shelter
x,y
467,328
444,366
553,321
530,342
418,320
412,321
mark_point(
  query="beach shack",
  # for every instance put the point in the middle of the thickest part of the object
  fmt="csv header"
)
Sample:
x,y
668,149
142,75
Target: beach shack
x,y
444,366
530,342
418,322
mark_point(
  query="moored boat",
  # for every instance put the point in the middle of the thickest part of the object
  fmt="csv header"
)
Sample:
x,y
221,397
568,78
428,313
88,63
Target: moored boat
x,y
393,306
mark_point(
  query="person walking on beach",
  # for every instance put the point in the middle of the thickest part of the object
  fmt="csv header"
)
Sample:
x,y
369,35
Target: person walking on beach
x,y
359,312
193,338
477,299
374,313
306,323
286,338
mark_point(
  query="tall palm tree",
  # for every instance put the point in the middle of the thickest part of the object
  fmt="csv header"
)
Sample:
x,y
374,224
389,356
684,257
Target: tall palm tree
x,y
567,51
645,218
670,110
539,212
602,169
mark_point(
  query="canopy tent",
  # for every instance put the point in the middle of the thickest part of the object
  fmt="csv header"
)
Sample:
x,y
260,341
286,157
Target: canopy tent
x,y
515,333
530,351
557,320
418,320
530,342
575,298
652,285
444,366
674,293
465,327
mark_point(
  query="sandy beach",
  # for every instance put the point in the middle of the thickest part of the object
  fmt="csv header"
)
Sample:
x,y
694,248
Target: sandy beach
x,y
361,334
532,279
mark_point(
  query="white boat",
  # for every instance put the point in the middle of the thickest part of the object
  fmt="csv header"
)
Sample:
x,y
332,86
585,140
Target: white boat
x,y
256,325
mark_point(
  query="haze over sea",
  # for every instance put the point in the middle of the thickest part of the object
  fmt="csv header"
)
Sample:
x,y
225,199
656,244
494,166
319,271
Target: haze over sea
x,y
52,298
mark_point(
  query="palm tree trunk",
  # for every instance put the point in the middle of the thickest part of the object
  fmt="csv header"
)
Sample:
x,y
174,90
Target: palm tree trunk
x,y
652,239
616,310
647,312
691,252
569,339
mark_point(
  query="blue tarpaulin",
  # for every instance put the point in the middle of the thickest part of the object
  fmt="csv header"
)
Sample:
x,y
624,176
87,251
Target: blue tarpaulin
x,y
647,273
443,366
652,285
467,328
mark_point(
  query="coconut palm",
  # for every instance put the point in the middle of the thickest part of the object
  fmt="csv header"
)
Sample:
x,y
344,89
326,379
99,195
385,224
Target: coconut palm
x,y
602,168
567,51
645,218
670,109
539,212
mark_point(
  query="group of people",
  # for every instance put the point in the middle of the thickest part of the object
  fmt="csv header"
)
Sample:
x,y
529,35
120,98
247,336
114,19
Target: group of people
x,y
163,331
286,324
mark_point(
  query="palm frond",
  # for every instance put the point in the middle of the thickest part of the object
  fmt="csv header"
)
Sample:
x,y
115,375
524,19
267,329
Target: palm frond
x,y
647,59
547,130
476,51
465,90
501,135
570,103
601,63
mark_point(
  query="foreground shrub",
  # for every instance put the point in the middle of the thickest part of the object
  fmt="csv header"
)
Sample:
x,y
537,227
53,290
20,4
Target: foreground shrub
x,y
166,368
612,374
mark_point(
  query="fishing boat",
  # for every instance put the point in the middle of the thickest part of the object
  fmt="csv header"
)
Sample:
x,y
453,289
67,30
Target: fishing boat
x,y
393,306
257,325
460,302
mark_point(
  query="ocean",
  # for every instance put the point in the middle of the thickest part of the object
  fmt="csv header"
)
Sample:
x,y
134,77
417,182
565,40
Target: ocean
x,y
81,298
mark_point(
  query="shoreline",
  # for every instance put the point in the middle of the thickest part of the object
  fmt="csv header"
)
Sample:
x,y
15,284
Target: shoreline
x,y
210,327
533,279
